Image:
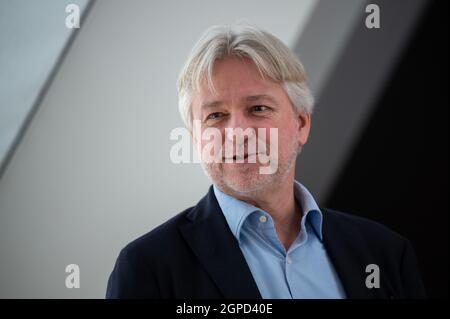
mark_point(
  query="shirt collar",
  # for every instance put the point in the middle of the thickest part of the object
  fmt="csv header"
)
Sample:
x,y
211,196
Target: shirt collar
x,y
237,211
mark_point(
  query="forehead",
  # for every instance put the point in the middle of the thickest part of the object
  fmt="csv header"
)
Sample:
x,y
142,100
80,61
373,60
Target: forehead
x,y
234,78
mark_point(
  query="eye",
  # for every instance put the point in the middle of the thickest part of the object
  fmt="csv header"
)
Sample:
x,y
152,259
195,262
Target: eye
x,y
259,108
214,116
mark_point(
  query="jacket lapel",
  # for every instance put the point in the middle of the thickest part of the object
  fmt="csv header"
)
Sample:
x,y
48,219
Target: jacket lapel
x,y
210,238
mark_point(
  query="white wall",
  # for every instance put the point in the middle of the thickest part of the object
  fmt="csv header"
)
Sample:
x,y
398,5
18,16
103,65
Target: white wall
x,y
93,171
31,39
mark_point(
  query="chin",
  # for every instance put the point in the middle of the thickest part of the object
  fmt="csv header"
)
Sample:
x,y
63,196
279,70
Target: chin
x,y
245,183
238,178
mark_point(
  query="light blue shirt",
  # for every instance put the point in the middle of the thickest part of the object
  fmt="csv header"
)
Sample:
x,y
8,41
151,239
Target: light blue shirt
x,y
304,271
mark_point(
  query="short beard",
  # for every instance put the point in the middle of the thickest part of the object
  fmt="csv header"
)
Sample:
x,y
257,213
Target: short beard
x,y
262,183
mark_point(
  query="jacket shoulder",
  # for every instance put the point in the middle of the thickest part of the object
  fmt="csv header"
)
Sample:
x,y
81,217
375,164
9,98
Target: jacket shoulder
x,y
364,228
159,238
136,268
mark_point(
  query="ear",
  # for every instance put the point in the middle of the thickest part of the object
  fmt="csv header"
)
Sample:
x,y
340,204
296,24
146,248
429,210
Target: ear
x,y
304,126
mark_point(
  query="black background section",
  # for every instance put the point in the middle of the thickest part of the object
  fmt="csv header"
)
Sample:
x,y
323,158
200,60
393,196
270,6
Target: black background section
x,y
397,173
282,308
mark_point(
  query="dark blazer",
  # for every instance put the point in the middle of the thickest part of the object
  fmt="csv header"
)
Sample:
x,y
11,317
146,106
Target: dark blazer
x,y
195,255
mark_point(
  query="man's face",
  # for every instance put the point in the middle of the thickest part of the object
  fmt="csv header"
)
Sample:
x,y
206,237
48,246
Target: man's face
x,y
244,99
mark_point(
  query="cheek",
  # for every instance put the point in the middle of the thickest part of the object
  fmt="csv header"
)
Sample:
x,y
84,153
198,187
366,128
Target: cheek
x,y
283,135
286,137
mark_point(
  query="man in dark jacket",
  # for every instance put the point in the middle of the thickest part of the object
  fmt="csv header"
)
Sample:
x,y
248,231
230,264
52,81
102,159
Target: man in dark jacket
x,y
258,233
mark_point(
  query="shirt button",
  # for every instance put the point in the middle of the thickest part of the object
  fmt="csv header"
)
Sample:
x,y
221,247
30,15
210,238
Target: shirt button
x,y
262,219
289,260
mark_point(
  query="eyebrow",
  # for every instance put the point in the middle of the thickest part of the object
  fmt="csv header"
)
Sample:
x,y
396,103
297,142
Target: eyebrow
x,y
258,97
211,104
250,98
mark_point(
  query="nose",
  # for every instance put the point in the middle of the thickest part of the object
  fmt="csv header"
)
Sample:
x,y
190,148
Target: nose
x,y
237,128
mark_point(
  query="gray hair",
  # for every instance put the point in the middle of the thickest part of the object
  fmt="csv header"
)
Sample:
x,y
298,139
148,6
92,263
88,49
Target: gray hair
x,y
271,56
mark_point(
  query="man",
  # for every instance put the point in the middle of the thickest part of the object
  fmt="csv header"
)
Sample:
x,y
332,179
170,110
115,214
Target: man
x,y
258,235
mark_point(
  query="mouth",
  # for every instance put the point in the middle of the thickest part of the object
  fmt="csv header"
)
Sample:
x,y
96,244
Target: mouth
x,y
245,157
